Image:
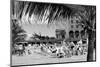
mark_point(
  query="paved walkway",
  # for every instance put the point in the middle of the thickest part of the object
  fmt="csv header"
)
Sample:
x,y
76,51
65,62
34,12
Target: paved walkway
x,y
40,59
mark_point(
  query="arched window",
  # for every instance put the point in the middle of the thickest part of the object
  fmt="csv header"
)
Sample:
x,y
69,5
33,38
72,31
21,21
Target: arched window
x,y
82,33
71,34
76,34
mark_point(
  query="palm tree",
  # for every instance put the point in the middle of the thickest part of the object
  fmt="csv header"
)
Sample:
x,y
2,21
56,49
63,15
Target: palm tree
x,y
17,33
90,26
88,20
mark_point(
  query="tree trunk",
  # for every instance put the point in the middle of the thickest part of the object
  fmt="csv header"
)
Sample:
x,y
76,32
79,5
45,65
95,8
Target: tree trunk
x,y
90,46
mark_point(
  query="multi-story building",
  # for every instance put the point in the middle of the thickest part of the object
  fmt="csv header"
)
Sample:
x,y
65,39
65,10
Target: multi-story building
x,y
75,31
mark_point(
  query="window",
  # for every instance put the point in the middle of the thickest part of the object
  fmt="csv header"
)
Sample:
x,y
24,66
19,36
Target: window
x,y
82,33
71,21
72,26
77,21
76,34
71,34
77,26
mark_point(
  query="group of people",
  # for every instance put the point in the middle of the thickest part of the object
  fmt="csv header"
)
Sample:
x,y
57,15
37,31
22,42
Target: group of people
x,y
62,49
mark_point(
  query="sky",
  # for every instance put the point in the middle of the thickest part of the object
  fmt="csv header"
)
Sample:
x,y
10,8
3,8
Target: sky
x,y
45,29
42,29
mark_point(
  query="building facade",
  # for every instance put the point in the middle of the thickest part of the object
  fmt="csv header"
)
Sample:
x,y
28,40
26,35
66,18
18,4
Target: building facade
x,y
76,31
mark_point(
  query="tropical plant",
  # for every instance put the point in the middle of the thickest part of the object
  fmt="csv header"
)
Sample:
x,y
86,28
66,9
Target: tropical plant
x,y
17,34
90,26
88,20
